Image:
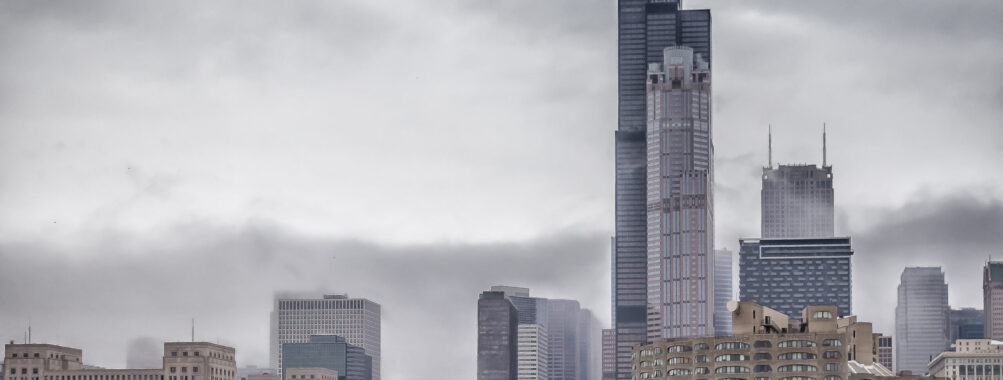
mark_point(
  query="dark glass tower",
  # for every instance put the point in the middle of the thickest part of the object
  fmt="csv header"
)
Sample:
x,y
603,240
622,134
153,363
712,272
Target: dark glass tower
x,y
645,29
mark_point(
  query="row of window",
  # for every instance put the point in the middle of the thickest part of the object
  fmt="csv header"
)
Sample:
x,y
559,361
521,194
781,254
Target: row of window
x,y
658,374
743,345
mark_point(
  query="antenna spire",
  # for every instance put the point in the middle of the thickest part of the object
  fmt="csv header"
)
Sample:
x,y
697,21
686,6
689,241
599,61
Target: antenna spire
x,y
770,146
823,146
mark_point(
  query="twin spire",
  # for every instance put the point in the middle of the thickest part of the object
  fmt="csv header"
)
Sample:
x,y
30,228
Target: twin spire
x,y
769,143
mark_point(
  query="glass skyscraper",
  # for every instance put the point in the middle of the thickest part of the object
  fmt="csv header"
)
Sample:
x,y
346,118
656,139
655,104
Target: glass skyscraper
x,y
645,29
722,291
331,352
922,318
790,274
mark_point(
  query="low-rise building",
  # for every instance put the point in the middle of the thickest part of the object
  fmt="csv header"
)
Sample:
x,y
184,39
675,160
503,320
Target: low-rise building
x,y
315,373
768,345
970,359
182,361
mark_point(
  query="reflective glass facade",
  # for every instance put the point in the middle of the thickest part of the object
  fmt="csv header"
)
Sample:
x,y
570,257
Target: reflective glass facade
x,y
645,29
921,318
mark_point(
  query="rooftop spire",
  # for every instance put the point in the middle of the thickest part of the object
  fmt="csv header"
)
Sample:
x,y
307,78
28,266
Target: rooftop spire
x,y
770,146
823,145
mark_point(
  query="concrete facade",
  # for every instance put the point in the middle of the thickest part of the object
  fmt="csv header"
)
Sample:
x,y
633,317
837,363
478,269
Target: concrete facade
x,y
922,318
767,344
311,374
181,361
970,359
295,319
533,352
886,351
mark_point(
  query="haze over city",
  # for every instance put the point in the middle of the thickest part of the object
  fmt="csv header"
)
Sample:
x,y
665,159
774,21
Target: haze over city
x,y
164,161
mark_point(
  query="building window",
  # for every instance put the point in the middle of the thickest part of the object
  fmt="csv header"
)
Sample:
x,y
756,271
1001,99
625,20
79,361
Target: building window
x,y
174,369
832,342
195,369
174,353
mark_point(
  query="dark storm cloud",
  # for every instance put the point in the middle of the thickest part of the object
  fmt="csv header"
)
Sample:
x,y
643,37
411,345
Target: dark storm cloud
x,y
119,286
957,232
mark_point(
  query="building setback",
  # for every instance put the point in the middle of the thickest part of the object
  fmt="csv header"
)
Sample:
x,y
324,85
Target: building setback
x,y
791,274
680,224
921,318
295,319
327,351
992,296
723,291
573,349
645,29
497,337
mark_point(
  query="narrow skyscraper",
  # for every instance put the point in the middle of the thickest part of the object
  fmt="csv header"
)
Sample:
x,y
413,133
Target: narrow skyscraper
x,y
722,291
645,29
921,318
680,212
295,319
992,298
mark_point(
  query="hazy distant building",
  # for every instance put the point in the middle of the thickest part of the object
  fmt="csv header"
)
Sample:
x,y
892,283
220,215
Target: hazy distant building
x,y
992,295
970,359
797,202
722,291
573,347
921,318
144,352
533,352
180,361
327,351
357,320
608,354
645,29
886,351
791,274
497,337
966,323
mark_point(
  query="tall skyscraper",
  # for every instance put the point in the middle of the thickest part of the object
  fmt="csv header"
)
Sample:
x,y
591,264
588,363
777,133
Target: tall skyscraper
x,y
886,351
295,319
967,323
992,297
790,274
645,29
572,333
722,291
680,224
797,200
497,337
921,318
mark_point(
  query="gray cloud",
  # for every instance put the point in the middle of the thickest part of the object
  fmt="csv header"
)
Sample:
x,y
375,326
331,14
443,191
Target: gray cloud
x,y
99,294
958,232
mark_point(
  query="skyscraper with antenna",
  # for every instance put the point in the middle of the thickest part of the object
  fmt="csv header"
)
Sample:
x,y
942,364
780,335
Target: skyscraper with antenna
x,y
797,199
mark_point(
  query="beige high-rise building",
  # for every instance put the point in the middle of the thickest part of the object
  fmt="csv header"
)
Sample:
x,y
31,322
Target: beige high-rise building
x,y
182,361
971,359
768,345
680,203
992,296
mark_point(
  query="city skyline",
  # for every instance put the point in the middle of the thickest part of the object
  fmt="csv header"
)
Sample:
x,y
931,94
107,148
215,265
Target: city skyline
x,y
167,161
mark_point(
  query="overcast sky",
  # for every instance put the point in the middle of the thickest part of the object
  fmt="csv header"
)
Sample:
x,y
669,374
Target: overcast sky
x,y
167,160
